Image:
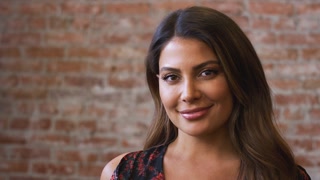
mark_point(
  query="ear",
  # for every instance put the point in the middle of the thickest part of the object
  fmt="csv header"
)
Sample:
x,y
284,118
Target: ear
x,y
158,75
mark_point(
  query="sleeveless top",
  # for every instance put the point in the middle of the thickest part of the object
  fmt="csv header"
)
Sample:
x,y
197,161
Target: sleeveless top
x,y
148,165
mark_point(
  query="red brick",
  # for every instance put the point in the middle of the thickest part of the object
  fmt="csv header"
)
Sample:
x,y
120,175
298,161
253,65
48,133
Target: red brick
x,y
309,9
304,160
65,125
20,124
112,38
49,108
108,156
53,168
75,156
242,21
96,110
81,8
298,69
80,23
5,8
226,7
116,68
16,25
59,23
3,125
311,54
25,94
83,81
277,53
296,99
285,84
20,66
51,139
124,82
45,52
308,129
63,38
90,170
20,38
25,108
294,114
6,138
68,155
88,52
37,23
43,80
19,94
97,141
269,69
13,166
30,153
292,39
170,6
301,144
262,37
36,8
43,124
88,125
311,84
24,177
315,114
9,81
72,109
66,66
127,8
261,23
285,23
307,24
271,8
313,39
10,52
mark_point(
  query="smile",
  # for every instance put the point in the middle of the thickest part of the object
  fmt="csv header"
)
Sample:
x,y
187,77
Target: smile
x,y
193,114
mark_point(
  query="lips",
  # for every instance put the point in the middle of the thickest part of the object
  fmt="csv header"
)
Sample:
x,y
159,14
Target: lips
x,y
193,114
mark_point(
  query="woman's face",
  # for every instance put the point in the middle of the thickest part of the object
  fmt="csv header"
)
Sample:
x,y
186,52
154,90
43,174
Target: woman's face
x,y
193,88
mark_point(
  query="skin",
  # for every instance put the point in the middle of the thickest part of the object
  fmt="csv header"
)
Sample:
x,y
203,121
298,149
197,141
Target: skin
x,y
195,94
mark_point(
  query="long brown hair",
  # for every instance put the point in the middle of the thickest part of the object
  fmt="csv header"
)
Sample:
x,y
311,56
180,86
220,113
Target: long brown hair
x,y
263,152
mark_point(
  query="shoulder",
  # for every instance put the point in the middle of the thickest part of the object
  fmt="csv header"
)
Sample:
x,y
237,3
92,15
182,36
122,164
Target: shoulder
x,y
110,167
133,163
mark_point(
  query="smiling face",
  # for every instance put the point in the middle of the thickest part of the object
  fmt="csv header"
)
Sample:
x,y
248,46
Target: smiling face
x,y
193,88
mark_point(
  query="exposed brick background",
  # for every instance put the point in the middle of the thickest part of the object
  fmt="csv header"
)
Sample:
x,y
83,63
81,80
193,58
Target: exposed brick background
x,y
72,86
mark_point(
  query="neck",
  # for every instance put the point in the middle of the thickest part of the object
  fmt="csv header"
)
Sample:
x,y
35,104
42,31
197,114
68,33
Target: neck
x,y
217,146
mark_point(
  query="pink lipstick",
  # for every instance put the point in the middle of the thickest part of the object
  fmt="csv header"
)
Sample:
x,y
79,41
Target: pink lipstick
x,y
193,114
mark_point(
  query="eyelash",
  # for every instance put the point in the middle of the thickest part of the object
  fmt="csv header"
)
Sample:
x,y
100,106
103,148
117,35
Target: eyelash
x,y
212,72
167,76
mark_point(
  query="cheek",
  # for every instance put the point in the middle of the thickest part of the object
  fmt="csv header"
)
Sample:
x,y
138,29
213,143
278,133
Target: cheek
x,y
168,96
219,92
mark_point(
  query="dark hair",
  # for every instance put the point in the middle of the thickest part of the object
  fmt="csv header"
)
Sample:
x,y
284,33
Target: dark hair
x,y
263,152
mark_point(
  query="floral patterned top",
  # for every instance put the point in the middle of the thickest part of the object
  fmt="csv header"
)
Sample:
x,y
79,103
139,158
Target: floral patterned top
x,y
148,165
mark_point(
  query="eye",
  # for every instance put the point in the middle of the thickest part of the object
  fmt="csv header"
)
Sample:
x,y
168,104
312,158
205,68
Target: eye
x,y
170,78
209,73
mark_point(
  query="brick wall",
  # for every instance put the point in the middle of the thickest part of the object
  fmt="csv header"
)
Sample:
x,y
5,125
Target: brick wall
x,y
73,93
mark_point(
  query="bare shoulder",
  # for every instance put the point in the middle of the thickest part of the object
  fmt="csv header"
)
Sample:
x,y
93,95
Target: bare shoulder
x,y
110,167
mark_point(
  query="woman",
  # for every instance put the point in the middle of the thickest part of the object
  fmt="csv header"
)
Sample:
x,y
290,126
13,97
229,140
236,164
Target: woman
x,y
213,109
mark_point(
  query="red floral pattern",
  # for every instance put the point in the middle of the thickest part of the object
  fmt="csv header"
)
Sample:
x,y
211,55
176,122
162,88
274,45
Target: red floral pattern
x,y
148,165
141,165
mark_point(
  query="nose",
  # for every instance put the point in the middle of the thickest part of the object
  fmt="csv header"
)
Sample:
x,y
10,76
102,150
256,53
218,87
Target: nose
x,y
190,92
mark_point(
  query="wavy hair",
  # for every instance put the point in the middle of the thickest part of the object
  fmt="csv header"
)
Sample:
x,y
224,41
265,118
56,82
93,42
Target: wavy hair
x,y
263,152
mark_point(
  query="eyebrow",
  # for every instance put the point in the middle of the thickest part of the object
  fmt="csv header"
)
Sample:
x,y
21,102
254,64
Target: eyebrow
x,y
197,67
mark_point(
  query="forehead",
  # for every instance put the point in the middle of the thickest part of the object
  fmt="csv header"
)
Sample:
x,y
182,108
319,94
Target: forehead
x,y
184,51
